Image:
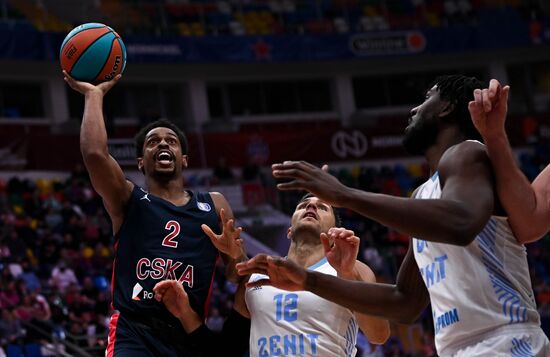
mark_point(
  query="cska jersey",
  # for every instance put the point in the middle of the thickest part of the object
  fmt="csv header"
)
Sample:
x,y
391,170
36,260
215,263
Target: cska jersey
x,y
159,240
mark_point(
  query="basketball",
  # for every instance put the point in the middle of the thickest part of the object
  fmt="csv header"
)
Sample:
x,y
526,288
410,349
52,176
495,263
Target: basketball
x,y
93,52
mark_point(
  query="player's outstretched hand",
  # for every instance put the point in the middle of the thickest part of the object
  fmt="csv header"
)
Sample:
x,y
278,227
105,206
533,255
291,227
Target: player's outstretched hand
x,y
489,108
283,274
341,248
86,88
229,241
305,176
173,296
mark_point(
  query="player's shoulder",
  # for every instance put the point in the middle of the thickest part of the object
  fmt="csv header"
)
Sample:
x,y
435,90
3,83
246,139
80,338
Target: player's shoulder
x,y
365,271
323,266
462,154
466,149
220,202
216,195
256,277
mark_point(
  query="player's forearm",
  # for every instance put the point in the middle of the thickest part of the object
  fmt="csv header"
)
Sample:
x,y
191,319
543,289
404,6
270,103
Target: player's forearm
x,y
377,330
93,134
230,269
189,320
436,220
231,341
381,300
514,190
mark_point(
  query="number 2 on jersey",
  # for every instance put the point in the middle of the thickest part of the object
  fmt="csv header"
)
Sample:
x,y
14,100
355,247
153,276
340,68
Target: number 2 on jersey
x,y
174,227
286,305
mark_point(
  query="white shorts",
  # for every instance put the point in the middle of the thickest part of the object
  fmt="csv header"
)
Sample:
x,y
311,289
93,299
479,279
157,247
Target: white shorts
x,y
510,344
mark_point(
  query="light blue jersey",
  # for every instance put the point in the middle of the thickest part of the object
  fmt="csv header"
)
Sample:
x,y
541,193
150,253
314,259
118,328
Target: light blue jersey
x,y
478,291
299,323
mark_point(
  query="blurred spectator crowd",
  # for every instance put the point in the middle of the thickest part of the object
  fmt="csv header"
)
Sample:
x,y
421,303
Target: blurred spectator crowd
x,y
264,17
55,262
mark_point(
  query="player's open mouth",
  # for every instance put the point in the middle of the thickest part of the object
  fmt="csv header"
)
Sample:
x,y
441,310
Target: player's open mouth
x,y
165,157
310,215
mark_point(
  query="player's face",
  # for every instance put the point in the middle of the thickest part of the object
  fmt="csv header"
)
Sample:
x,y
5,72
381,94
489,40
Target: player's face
x,y
312,214
162,156
421,133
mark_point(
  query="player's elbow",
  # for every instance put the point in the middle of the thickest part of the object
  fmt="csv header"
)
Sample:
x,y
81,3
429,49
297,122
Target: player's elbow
x,y
464,223
381,336
527,235
464,230
91,155
463,237
409,313
408,317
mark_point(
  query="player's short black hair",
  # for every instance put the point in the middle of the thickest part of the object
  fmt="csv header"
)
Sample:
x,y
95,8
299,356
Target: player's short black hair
x,y
139,139
337,219
459,91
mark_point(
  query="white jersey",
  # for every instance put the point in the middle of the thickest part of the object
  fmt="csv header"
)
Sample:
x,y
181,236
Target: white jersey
x,y
478,291
299,323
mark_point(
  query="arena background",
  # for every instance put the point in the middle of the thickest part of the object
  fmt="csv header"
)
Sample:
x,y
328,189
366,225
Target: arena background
x,y
252,82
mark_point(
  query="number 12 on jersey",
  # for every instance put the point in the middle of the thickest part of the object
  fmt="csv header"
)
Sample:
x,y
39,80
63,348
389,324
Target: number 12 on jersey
x,y
286,306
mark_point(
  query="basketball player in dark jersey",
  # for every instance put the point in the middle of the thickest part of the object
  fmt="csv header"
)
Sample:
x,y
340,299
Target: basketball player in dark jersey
x,y
162,231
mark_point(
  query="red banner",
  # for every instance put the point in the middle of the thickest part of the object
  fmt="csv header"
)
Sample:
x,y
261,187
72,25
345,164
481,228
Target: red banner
x,y
317,142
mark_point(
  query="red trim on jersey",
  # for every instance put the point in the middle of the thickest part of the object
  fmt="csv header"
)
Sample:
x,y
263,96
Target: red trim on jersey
x,y
207,301
112,336
113,278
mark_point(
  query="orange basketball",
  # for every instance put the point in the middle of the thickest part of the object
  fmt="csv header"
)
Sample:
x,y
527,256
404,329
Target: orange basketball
x,y
93,52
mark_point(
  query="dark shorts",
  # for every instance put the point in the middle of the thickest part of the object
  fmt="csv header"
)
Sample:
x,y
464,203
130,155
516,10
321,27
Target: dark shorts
x,y
131,338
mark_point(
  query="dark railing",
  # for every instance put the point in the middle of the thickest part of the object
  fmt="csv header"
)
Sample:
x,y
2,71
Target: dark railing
x,y
69,348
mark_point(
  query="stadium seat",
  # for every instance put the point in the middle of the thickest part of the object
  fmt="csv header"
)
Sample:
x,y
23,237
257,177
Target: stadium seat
x,y
15,351
33,350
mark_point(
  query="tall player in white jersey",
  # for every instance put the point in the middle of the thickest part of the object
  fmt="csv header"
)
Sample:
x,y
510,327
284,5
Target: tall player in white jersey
x,y
301,323
463,257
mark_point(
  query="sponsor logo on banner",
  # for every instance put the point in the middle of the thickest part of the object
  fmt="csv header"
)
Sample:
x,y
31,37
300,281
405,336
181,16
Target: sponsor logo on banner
x,y
123,150
349,144
151,49
387,43
387,141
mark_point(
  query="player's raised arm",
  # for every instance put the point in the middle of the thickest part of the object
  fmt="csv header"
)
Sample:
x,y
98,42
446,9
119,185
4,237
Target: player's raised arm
x,y
402,302
456,218
528,206
105,173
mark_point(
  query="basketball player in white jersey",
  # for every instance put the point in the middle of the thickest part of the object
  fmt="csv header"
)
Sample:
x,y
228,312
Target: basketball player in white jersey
x,y
300,323
527,205
463,257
